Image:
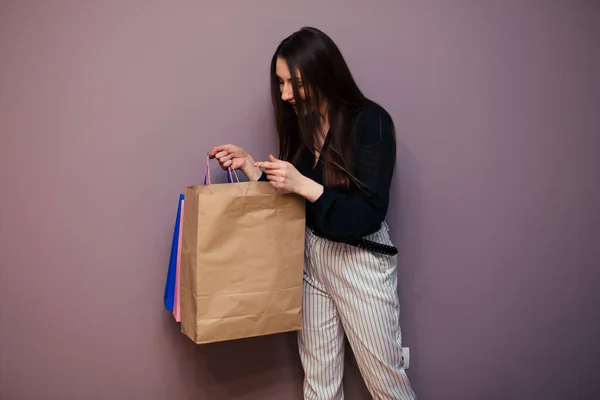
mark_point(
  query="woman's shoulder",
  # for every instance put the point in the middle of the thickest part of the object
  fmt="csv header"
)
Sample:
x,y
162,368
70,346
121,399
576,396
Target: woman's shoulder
x,y
372,117
371,112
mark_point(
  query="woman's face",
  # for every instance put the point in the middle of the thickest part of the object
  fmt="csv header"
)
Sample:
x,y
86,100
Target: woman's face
x,y
285,82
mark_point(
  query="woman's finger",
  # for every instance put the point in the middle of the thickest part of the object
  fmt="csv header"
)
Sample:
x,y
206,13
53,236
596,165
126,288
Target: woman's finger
x,y
276,184
228,157
222,154
275,178
273,166
213,152
276,172
264,165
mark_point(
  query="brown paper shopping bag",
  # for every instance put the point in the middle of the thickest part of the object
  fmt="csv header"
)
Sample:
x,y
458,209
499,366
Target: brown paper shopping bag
x,y
242,261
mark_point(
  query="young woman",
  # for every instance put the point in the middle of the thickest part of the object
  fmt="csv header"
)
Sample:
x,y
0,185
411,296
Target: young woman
x,y
337,150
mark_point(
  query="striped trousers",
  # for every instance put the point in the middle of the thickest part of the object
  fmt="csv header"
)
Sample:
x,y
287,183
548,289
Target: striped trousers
x,y
351,291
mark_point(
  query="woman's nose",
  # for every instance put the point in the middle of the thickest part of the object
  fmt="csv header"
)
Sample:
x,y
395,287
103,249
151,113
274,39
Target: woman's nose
x,y
287,95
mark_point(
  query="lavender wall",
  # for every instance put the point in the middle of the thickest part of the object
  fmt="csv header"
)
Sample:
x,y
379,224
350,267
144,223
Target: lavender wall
x,y
106,110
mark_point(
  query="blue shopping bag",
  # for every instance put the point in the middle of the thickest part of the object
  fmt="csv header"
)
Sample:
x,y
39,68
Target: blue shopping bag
x,y
169,296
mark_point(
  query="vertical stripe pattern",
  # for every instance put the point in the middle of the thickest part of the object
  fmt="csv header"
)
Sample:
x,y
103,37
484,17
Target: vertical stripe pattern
x,y
353,291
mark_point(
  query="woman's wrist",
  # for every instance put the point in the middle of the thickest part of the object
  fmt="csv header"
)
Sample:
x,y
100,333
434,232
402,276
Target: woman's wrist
x,y
310,189
253,173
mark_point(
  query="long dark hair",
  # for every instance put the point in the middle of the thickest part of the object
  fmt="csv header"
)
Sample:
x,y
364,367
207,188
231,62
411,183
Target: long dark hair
x,y
326,79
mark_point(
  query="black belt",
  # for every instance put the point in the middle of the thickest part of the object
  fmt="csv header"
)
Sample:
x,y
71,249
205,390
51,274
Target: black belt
x,y
365,244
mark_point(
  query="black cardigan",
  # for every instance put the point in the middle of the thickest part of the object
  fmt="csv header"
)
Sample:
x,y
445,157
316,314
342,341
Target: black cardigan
x,y
345,216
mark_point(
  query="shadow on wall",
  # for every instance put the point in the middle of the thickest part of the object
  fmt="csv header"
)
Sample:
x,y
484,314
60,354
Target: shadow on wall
x,y
211,371
405,212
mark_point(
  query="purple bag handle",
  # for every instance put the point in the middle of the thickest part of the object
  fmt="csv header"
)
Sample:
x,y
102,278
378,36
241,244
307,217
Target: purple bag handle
x,y
229,173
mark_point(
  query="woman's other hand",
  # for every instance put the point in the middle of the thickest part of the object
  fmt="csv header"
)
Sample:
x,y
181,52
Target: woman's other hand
x,y
284,176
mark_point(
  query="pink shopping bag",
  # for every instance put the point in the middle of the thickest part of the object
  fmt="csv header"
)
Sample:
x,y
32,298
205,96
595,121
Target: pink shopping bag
x,y
176,307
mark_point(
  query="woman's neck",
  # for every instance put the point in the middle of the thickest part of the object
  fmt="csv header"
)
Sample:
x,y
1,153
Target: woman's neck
x,y
324,128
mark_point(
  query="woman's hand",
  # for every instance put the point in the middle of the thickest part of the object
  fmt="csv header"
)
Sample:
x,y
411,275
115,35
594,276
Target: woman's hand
x,y
284,176
229,155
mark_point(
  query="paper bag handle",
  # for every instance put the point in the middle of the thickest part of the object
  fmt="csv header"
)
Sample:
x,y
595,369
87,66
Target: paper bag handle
x,y
229,173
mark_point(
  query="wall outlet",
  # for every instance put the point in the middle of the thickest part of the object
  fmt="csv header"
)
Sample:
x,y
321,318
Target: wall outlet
x,y
406,356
